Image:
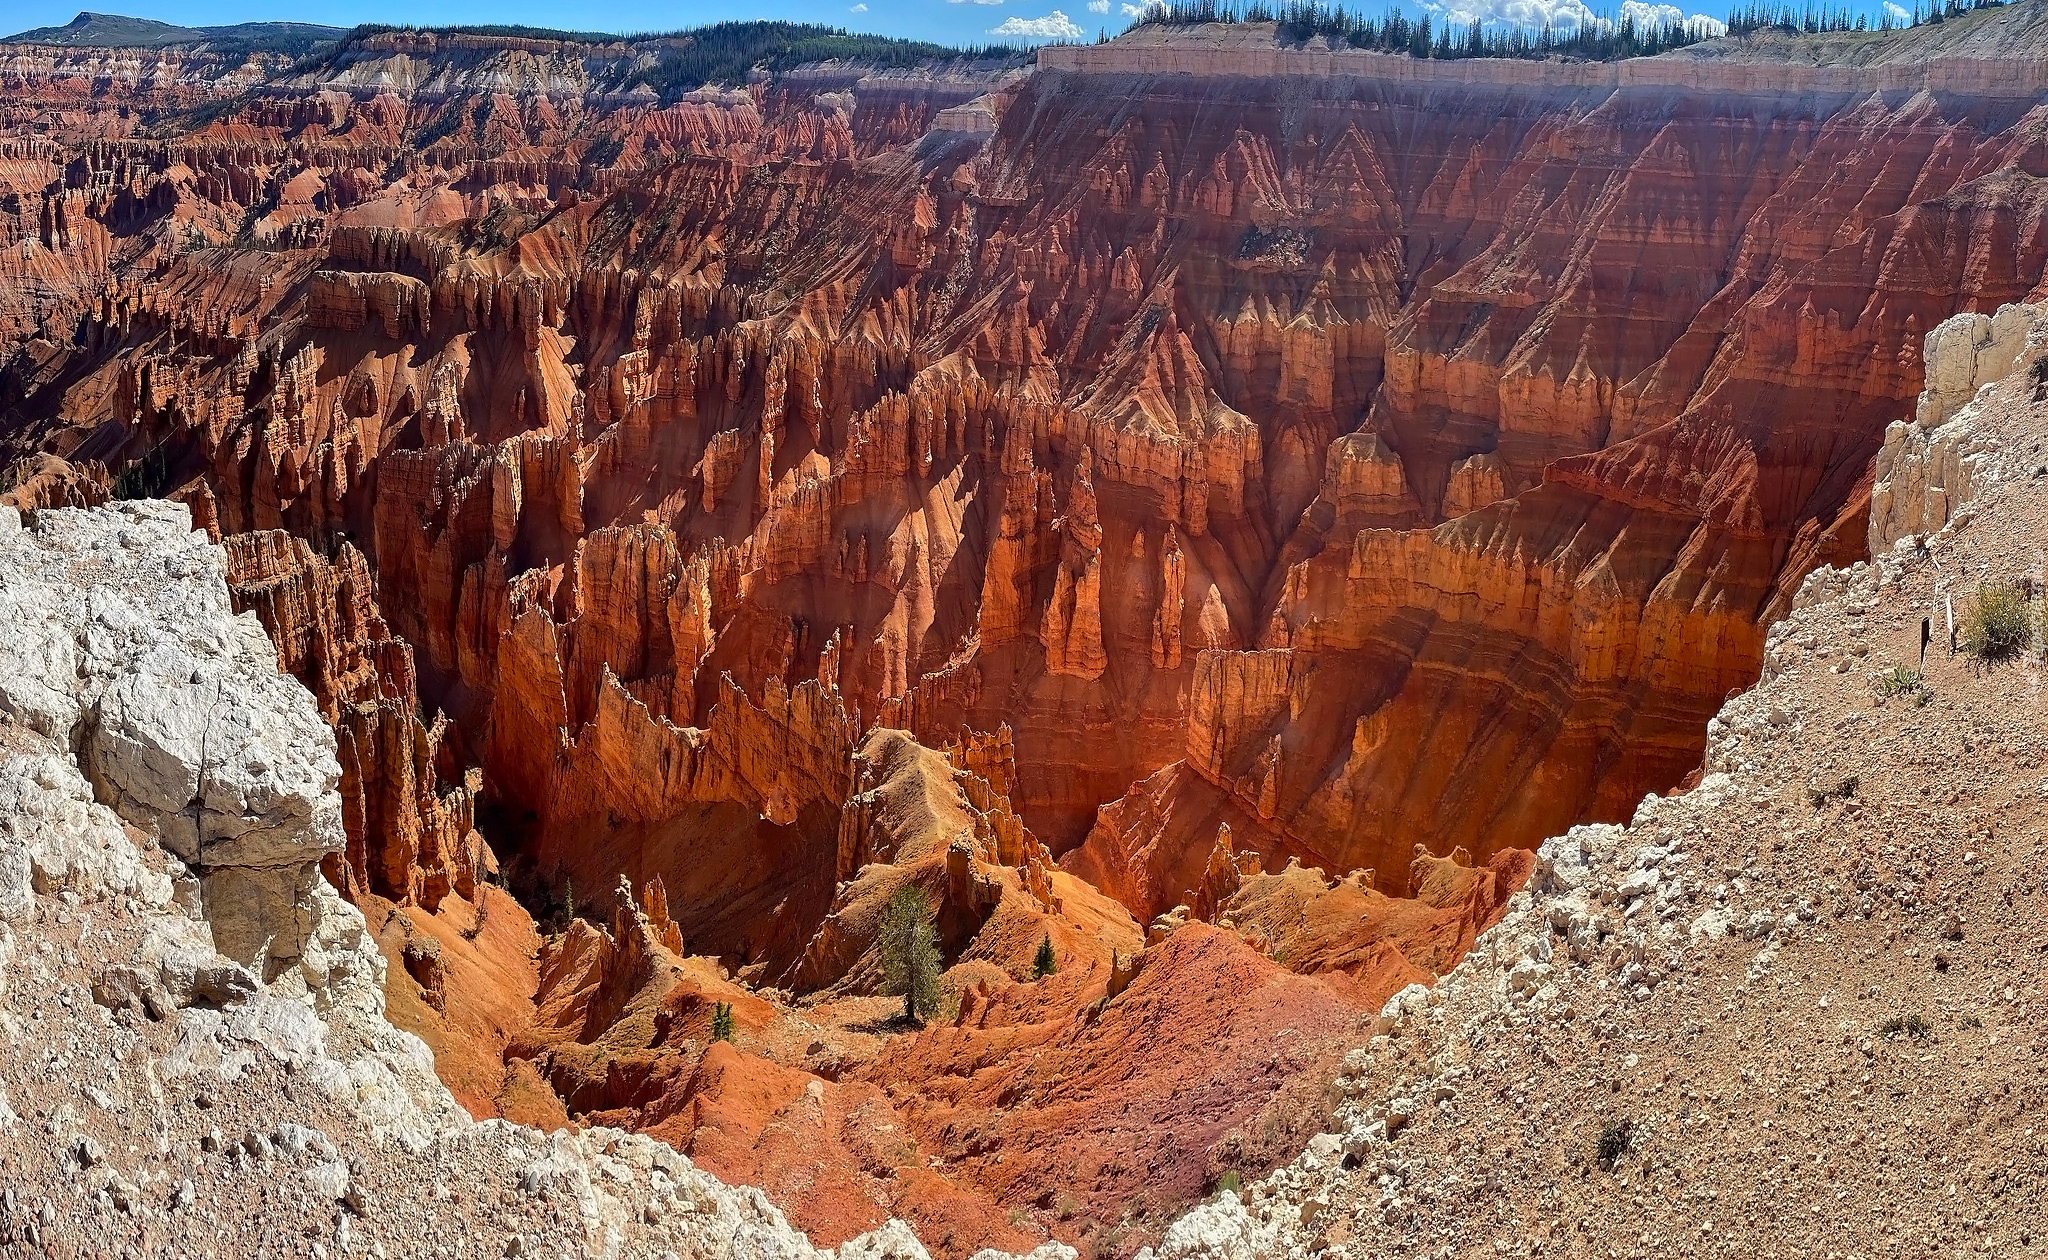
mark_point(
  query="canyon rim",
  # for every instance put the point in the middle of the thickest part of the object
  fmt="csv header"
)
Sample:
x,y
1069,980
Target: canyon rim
x,y
1418,634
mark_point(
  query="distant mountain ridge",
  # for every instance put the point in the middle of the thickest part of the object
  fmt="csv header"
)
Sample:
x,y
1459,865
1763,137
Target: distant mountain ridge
x,y
112,30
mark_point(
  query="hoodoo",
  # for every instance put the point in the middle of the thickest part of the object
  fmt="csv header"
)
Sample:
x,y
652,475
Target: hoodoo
x,y
1381,613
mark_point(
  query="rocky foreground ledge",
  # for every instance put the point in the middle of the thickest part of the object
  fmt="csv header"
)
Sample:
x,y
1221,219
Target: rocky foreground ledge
x,y
194,1058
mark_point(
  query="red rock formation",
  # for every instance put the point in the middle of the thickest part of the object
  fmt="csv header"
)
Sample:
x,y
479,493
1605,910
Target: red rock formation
x,y
1021,1116
41,481
790,492
463,978
409,839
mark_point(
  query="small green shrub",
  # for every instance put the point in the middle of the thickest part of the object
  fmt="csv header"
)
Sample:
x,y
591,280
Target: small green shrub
x,y
1907,682
1044,963
1999,622
1972,1021
1615,1137
721,1022
1230,1181
1910,1025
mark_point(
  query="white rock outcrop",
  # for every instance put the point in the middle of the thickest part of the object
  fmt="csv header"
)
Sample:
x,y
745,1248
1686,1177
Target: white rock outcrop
x,y
117,639
1964,353
1928,466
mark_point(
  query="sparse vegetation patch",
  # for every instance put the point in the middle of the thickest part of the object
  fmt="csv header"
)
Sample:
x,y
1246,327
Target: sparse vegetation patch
x,y
1844,789
1908,683
1615,1138
1999,623
1907,1025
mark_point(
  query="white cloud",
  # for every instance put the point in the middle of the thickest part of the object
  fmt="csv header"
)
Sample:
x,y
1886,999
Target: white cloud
x,y
974,1
1098,6
1530,13
1898,12
1054,25
1669,14
1561,14
1136,11
859,8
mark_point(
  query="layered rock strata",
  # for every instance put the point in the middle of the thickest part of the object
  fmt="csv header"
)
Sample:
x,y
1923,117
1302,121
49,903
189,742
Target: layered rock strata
x,y
1513,527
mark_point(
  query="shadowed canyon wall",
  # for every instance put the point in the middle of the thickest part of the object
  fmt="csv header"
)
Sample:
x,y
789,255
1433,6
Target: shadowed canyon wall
x,y
1283,497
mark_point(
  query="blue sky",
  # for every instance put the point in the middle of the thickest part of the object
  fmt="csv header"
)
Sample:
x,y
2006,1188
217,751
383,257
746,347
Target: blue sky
x,y
946,21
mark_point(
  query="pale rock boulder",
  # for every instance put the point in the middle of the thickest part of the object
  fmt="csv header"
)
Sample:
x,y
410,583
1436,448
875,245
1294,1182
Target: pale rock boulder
x,y
54,838
1409,1001
1224,1229
892,1241
17,894
117,638
1964,353
1922,477
1054,1250
1929,467
38,654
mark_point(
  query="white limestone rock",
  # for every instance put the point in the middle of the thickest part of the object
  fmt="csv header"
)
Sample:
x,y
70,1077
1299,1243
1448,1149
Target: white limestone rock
x,y
1223,1229
1930,468
17,893
1964,353
118,637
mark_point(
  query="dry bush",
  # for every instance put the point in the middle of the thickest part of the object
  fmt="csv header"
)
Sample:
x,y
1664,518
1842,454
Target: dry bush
x,y
1999,623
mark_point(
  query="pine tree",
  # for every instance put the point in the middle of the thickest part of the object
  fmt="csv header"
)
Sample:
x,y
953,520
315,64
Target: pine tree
x,y
1044,964
721,1022
910,952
